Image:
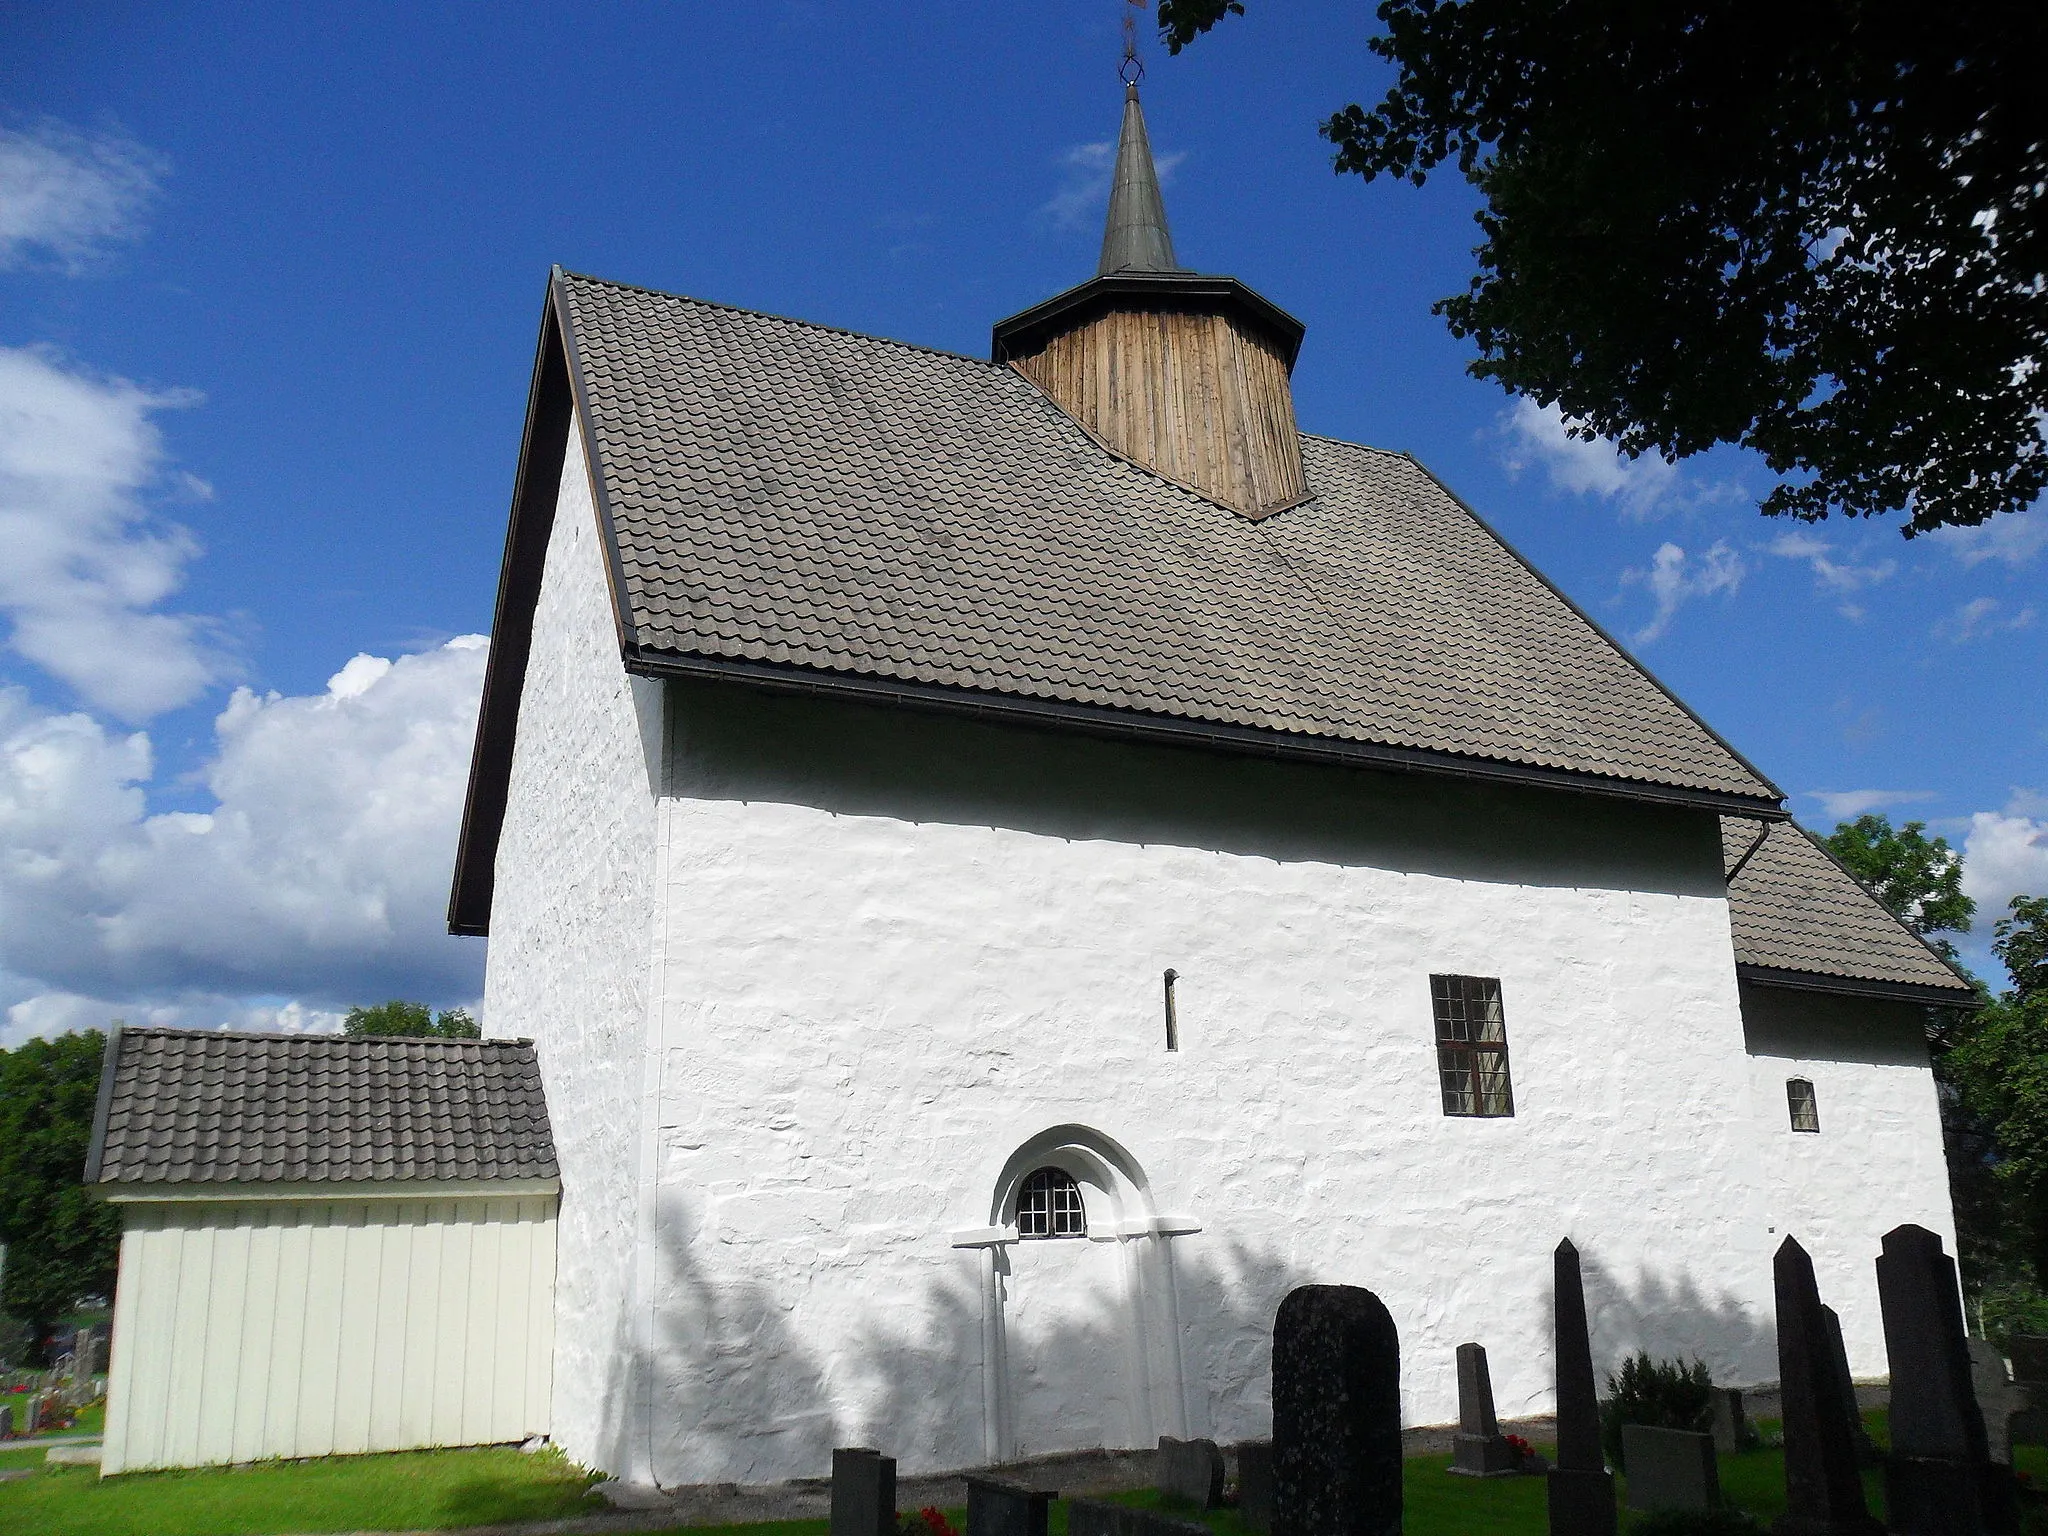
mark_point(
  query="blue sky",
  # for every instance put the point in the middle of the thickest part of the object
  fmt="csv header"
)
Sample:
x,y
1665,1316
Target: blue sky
x,y
269,284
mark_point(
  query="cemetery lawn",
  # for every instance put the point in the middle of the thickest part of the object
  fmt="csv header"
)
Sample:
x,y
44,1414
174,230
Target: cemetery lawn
x,y
404,1491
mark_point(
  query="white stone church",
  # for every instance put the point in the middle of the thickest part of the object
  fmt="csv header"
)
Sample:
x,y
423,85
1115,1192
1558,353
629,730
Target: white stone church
x,y
1011,865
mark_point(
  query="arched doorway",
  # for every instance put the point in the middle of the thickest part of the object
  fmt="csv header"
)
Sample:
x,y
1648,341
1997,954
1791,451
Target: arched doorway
x,y
1080,1322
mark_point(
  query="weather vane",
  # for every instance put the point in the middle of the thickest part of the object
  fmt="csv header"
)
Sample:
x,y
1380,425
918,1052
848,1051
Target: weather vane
x,y
1132,70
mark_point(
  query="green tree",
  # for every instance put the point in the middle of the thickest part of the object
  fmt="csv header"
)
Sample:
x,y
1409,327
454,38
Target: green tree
x,y
63,1245
2000,1067
398,1017
1920,878
1813,228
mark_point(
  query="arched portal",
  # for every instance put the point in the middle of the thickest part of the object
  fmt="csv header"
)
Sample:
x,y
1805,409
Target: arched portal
x,y
1081,1332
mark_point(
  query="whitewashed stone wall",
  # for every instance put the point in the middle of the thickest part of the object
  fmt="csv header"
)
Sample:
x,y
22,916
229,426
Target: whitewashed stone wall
x,y
1877,1159
898,946
571,952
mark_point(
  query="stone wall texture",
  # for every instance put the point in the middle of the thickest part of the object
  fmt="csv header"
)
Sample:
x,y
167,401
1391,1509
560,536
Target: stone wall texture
x,y
571,957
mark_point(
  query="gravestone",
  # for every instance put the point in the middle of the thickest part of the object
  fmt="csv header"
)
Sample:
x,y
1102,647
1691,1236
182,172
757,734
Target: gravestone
x,y
1670,1468
32,1413
1580,1489
1731,1425
1007,1509
1867,1454
2029,1354
1092,1517
6,1421
1255,1485
1336,1415
863,1492
1191,1471
1997,1399
1479,1449
1823,1488
1939,1477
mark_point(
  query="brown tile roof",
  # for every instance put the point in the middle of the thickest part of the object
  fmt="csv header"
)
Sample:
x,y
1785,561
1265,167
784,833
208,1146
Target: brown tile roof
x,y
784,493
188,1106
1797,912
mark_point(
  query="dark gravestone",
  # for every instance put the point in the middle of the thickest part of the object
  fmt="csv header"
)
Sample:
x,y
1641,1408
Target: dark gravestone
x,y
1255,1485
1938,1478
863,1493
1005,1509
1580,1488
1670,1468
1731,1425
1091,1517
1479,1449
1336,1415
1191,1471
1867,1453
2030,1381
1997,1399
1823,1488
6,1421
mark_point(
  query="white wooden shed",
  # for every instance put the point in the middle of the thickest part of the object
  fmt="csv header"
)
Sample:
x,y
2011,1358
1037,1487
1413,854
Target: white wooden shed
x,y
329,1245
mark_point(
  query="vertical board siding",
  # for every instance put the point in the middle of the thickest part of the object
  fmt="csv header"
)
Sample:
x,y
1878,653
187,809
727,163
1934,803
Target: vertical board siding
x,y
303,1328
1198,398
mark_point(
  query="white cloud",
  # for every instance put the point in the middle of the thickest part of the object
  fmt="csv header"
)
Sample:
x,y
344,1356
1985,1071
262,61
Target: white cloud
x,y
1848,804
2005,855
2013,538
56,1013
65,196
1083,195
1675,578
1982,616
87,564
1538,436
1830,574
320,874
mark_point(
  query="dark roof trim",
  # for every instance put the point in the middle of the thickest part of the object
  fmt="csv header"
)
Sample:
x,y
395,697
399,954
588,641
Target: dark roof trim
x,y
1173,730
1856,986
542,449
109,1064
1601,630
1028,331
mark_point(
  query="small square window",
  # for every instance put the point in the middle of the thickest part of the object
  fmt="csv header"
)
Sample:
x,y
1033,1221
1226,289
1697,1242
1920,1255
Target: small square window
x,y
1805,1106
1471,1045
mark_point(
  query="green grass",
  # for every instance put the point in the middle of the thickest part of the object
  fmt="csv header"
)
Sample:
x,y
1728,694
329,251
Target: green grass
x,y
425,1490
411,1490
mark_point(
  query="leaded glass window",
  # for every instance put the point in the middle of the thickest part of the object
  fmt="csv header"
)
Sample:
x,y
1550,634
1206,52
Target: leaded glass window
x,y
1804,1104
1471,1045
1049,1205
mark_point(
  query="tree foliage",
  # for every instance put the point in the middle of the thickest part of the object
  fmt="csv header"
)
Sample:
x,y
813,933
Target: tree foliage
x,y
2001,1068
398,1017
1920,878
62,1244
1813,228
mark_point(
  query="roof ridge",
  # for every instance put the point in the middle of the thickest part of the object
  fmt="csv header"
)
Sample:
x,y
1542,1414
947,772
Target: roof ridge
x,y
315,1036
769,314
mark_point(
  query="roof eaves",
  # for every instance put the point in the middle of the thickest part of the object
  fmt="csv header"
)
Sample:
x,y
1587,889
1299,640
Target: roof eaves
x,y
542,448
1179,730
110,1064
1601,630
1858,986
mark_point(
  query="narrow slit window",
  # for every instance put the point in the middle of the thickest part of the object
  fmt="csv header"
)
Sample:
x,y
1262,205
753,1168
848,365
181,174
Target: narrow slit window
x,y
1049,1205
1804,1104
1472,1045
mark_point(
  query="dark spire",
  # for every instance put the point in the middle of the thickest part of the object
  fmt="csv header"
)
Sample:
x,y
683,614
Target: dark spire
x,y
1135,239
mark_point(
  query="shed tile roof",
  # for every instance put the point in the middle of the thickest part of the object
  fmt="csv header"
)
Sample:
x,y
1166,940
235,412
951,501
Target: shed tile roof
x,y
186,1106
784,493
1794,908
